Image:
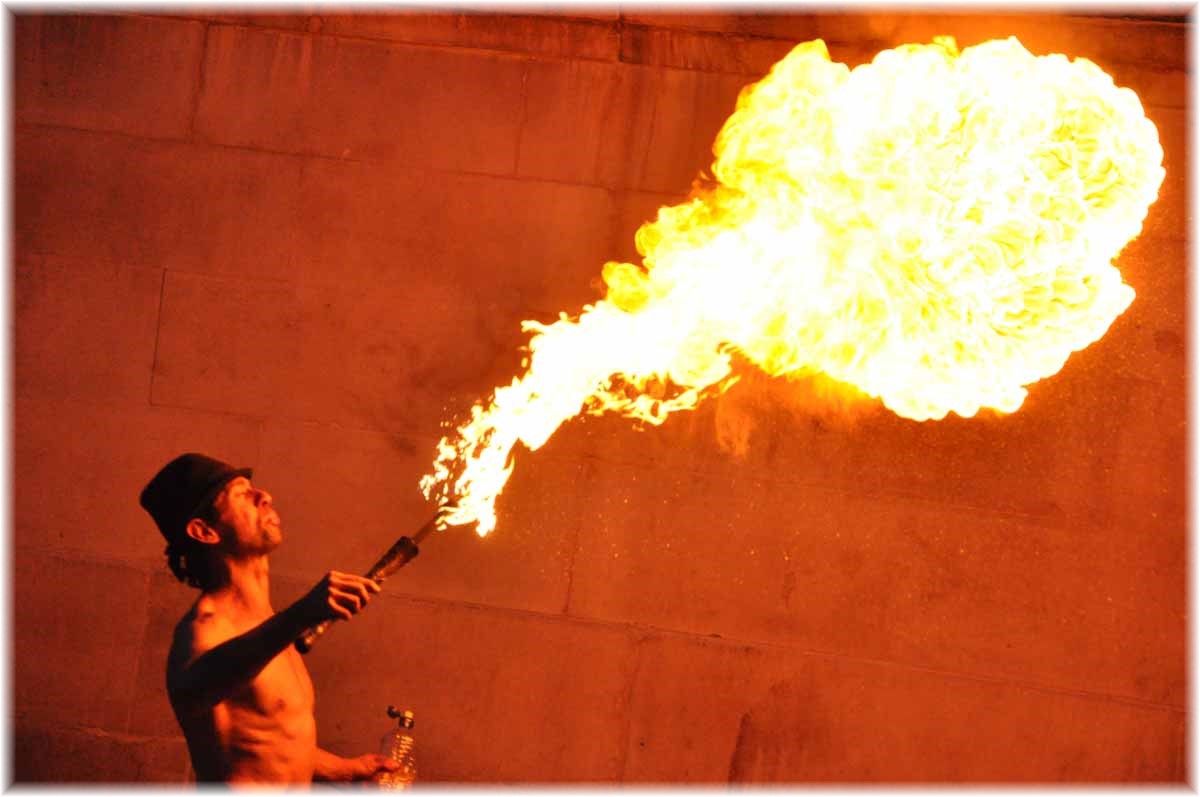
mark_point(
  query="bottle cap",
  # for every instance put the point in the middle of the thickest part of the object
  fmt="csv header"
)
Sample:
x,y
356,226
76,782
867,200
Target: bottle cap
x,y
405,717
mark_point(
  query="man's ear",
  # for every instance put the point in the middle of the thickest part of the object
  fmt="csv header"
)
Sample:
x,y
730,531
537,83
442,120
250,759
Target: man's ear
x,y
200,531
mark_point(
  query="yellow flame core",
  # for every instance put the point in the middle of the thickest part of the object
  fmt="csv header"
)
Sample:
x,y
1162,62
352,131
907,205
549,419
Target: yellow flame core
x,y
936,229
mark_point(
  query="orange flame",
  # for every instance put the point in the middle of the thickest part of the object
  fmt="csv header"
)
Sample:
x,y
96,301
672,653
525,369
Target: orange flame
x,y
936,229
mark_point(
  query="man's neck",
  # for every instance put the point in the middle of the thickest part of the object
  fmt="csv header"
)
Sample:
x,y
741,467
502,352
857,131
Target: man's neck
x,y
247,583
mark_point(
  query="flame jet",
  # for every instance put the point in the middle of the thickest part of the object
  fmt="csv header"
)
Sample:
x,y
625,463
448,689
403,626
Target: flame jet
x,y
934,228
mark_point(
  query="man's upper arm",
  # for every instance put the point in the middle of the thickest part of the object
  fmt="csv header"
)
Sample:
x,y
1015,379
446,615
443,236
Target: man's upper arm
x,y
194,637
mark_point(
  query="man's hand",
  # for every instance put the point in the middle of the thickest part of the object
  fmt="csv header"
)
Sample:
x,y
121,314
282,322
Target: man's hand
x,y
368,767
337,596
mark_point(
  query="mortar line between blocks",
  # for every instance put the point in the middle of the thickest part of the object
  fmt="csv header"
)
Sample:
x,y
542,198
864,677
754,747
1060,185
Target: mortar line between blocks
x,y
144,566
669,196
516,164
262,434
566,609
483,49
199,91
576,534
137,661
627,726
876,493
644,628
619,29
1181,750
158,322
1080,21
187,141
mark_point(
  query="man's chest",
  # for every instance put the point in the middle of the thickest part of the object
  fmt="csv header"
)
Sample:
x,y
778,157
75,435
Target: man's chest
x,y
283,686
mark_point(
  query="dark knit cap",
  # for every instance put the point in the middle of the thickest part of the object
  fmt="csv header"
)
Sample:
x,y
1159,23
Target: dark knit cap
x,y
184,487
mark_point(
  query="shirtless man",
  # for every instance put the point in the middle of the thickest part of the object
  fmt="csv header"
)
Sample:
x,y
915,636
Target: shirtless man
x,y
239,689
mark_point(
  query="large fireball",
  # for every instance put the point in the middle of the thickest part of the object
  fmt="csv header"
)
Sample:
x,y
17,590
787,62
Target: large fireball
x,y
935,229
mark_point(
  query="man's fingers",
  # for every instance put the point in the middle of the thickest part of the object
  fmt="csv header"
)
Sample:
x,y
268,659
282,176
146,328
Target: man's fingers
x,y
348,580
359,591
350,599
345,593
343,605
339,612
358,587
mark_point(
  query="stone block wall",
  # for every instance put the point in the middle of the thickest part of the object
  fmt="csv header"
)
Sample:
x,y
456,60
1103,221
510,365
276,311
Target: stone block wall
x,y
301,241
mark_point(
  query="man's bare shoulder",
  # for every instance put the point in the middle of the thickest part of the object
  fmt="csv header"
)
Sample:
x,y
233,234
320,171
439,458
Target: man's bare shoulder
x,y
200,630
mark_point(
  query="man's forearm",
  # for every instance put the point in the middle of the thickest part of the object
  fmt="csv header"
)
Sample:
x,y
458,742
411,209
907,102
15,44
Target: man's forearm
x,y
327,766
217,673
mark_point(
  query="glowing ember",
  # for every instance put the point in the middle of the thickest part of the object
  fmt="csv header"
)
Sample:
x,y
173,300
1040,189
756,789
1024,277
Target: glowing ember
x,y
936,229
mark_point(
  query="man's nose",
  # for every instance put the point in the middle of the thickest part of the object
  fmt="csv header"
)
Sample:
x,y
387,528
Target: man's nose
x,y
263,496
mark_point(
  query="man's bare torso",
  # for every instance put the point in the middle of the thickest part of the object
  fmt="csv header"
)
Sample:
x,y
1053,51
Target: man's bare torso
x,y
265,730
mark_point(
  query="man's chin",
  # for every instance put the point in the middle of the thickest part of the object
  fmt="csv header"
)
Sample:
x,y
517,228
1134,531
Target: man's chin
x,y
271,538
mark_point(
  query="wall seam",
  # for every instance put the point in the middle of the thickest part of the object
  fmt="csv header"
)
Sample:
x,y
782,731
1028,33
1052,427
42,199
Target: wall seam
x,y
1181,750
262,433
220,145
1032,520
143,566
644,628
199,90
516,166
884,494
478,48
627,713
577,535
678,195
158,322
137,666
1168,22
117,405
751,76
91,729
619,26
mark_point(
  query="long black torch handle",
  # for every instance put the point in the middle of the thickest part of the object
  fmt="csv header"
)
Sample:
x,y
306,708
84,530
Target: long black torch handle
x,y
401,552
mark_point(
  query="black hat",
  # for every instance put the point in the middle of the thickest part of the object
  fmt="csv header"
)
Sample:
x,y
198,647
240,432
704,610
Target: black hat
x,y
184,486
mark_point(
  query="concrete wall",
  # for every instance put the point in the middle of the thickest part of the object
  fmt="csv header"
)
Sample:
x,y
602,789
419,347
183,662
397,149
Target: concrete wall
x,y
300,242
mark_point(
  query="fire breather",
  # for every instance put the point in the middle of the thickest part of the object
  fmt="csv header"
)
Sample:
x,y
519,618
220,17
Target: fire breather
x,y
935,229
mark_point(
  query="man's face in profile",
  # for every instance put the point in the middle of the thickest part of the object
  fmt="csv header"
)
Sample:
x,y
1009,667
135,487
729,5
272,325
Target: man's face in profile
x,y
247,518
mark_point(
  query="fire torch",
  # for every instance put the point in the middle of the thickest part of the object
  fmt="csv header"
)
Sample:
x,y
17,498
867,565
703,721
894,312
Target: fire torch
x,y
396,557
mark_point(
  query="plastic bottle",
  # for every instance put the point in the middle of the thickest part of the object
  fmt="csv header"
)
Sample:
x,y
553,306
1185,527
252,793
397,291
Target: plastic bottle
x,y
397,744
